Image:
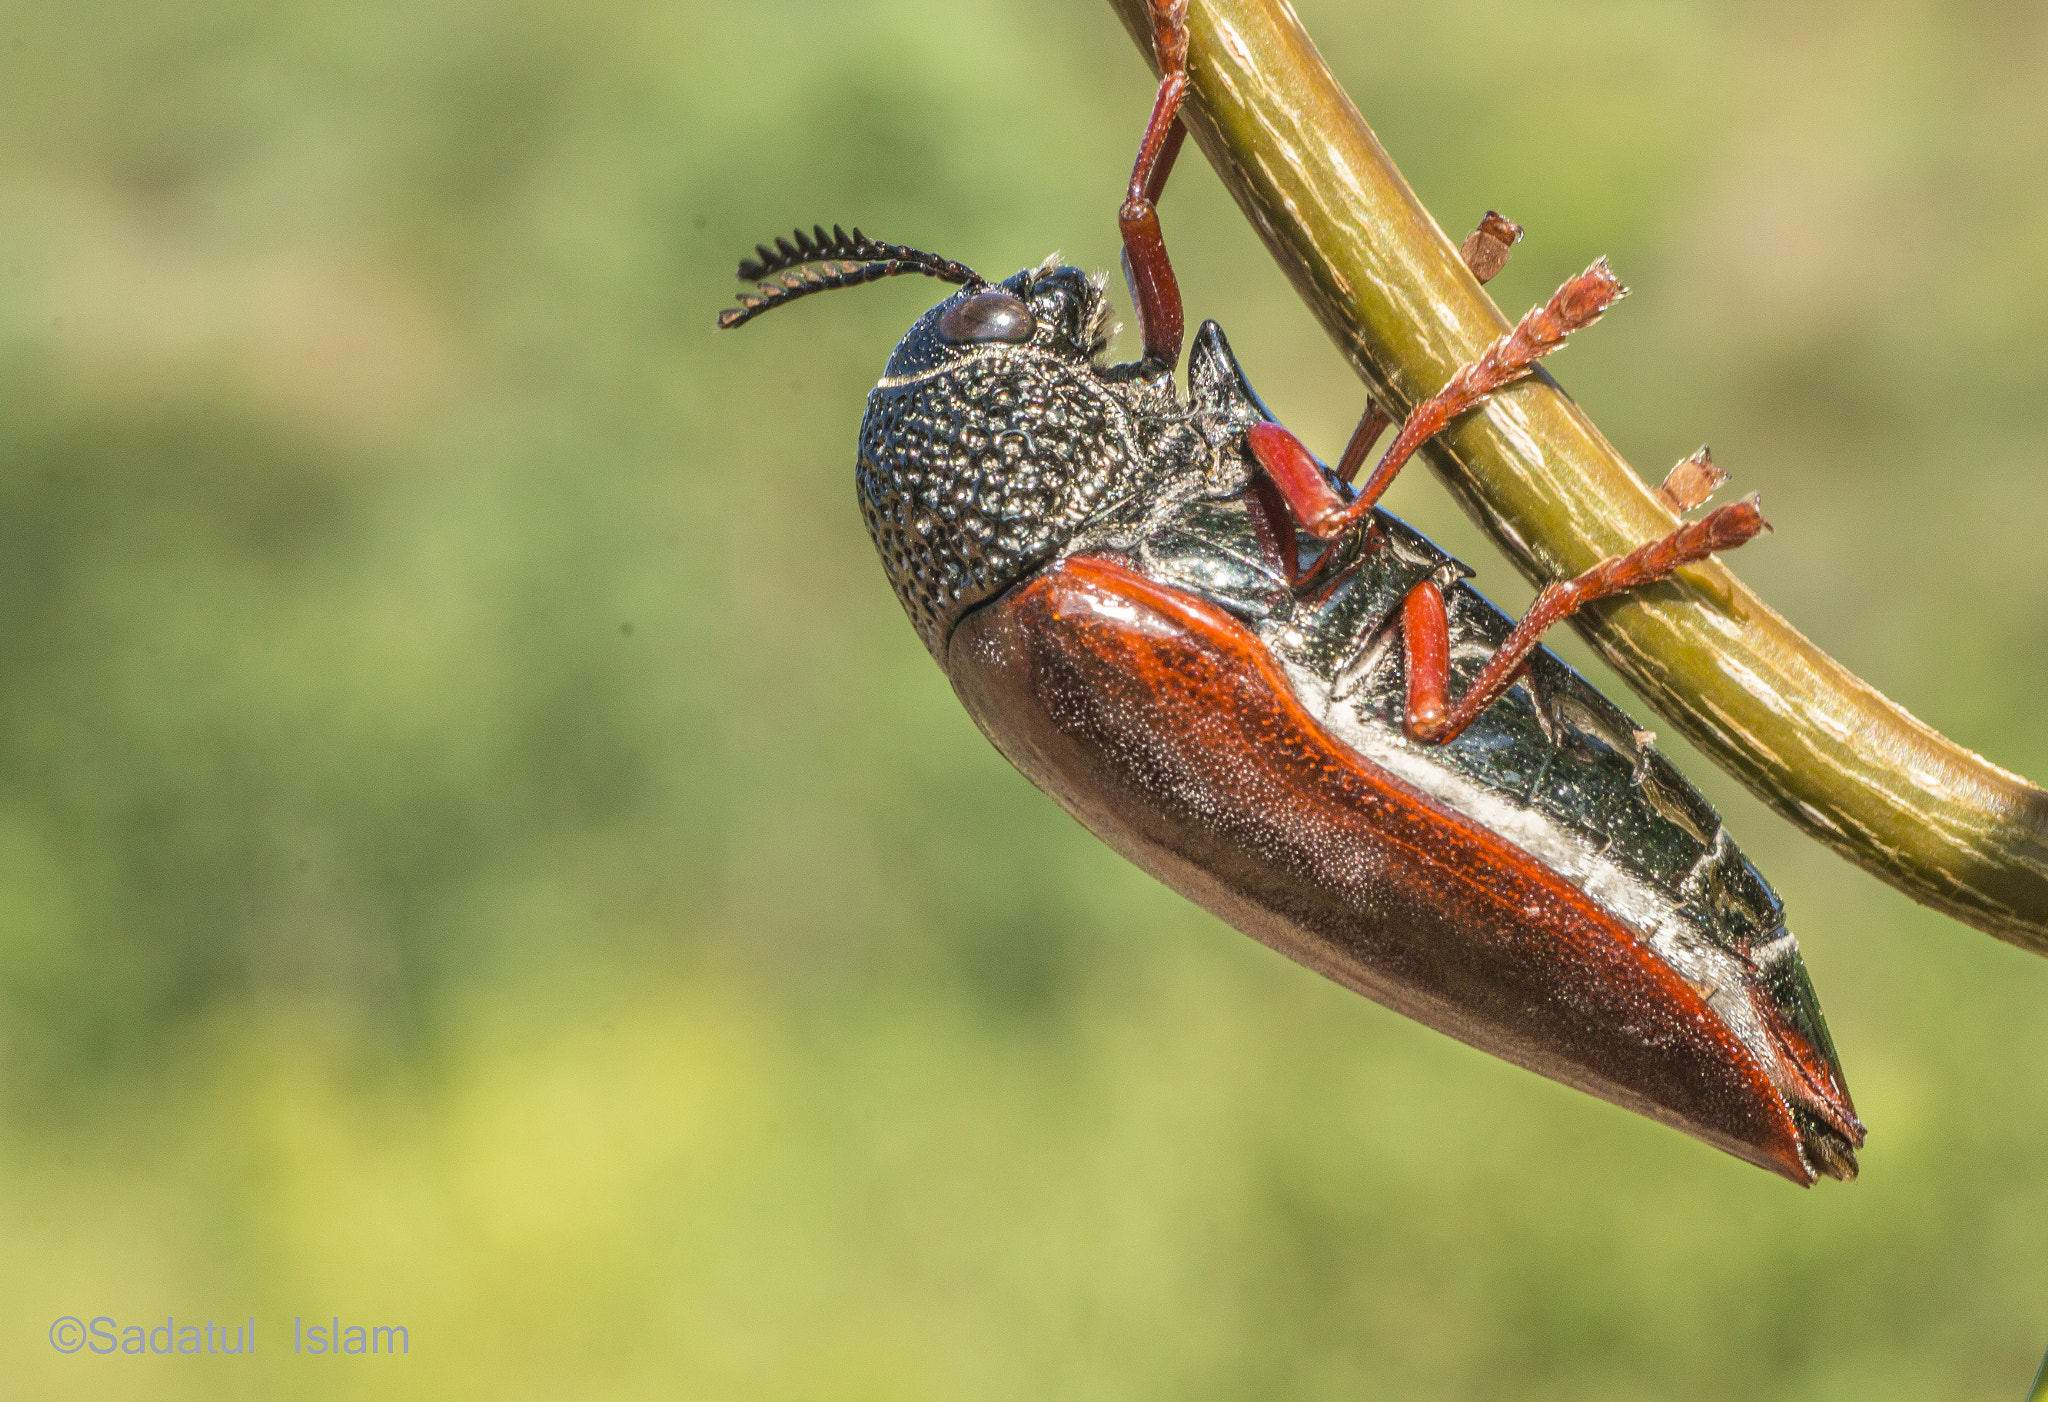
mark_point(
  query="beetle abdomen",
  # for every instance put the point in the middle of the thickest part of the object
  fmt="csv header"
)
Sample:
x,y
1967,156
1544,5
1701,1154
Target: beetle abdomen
x,y
1165,727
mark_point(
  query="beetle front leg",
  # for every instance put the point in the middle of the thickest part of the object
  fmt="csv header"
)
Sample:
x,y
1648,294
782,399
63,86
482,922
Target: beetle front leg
x,y
1154,291
1425,633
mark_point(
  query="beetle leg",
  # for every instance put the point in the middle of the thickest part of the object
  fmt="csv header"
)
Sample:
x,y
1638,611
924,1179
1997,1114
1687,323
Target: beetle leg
x,y
1295,471
1426,651
1424,624
1154,292
1539,702
1371,424
1486,249
1274,526
1316,504
1575,305
1305,491
1485,252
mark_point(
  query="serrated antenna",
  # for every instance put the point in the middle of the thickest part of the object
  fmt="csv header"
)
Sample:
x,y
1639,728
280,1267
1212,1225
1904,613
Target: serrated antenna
x,y
818,262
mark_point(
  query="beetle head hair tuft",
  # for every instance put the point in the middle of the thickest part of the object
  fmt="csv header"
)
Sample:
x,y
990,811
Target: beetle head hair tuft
x,y
1102,329
818,262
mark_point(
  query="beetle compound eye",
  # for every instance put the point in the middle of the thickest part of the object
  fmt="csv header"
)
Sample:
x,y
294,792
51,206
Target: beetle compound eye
x,y
987,316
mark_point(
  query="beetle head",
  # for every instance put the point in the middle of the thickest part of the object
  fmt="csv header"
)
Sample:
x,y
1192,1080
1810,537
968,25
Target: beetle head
x,y
991,439
995,432
1047,310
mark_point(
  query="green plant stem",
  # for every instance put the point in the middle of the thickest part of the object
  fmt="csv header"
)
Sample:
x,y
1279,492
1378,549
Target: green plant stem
x,y
1825,749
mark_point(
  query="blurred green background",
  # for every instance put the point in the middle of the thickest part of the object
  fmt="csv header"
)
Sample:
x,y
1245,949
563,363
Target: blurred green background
x,y
481,850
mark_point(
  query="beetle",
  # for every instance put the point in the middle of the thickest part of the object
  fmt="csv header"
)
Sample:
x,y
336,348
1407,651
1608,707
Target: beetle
x,y
1224,660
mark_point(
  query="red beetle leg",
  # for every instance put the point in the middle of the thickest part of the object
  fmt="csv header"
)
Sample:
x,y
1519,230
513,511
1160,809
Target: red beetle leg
x,y
1692,542
1486,249
1154,291
1691,482
1293,469
1273,523
1426,655
1371,424
1575,305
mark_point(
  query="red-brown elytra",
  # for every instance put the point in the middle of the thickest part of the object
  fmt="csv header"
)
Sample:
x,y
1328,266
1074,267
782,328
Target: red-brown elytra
x,y
1290,707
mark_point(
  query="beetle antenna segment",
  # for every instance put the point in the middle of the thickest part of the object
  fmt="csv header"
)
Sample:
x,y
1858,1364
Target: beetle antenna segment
x,y
819,246
818,262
